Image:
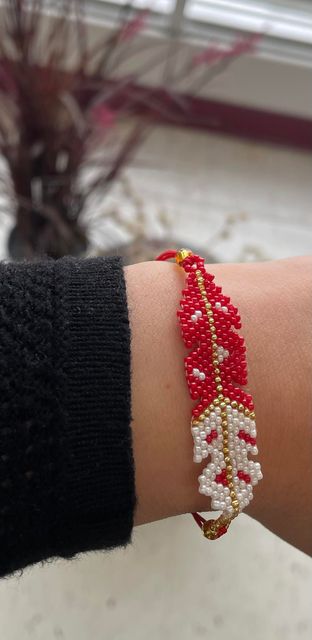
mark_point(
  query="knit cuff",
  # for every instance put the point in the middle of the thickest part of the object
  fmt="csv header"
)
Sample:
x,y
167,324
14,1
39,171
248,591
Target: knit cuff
x,y
97,489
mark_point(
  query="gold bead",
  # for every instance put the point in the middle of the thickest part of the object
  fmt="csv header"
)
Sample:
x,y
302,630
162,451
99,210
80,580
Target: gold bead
x,y
241,407
214,338
247,412
198,272
195,423
207,305
201,417
227,400
209,314
219,387
182,254
217,371
211,321
226,451
211,407
231,486
233,495
215,362
216,402
227,460
229,468
235,504
225,432
207,412
222,405
223,414
217,379
234,404
252,415
212,328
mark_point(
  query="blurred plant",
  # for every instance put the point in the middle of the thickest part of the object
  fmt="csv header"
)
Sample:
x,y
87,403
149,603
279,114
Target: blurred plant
x,y
63,100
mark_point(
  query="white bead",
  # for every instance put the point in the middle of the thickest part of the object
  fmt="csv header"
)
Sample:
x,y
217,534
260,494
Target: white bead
x,y
197,450
215,504
202,489
198,313
197,458
202,376
194,318
195,431
203,435
218,305
196,373
225,309
202,479
197,440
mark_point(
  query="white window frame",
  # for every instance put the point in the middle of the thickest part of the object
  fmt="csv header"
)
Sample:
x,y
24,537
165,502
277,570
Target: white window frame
x,y
276,77
286,24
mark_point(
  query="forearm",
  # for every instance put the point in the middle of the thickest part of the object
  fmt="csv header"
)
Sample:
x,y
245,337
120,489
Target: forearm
x,y
275,303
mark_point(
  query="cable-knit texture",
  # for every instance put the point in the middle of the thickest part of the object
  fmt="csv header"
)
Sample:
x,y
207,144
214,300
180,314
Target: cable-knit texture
x,y
66,462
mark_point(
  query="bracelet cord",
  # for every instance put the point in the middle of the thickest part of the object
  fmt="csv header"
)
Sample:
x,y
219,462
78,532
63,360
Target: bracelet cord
x,y
223,420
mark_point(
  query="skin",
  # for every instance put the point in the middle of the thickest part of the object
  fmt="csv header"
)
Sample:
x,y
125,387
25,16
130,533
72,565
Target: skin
x,y
275,303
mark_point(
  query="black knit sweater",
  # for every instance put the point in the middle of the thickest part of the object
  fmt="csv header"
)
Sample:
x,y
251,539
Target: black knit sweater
x,y
66,463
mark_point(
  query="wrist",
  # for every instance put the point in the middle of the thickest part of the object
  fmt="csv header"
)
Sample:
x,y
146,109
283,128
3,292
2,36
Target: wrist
x,y
273,305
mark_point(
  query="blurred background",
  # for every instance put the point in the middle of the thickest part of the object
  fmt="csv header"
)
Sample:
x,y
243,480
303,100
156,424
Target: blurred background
x,y
132,128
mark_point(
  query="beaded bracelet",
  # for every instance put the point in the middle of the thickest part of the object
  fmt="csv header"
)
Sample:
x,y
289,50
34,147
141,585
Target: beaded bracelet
x,y
223,420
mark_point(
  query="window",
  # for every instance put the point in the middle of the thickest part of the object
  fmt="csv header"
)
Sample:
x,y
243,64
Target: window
x,y
276,77
287,24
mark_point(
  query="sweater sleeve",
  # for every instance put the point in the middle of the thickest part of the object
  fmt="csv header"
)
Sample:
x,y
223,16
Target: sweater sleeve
x,y
66,462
